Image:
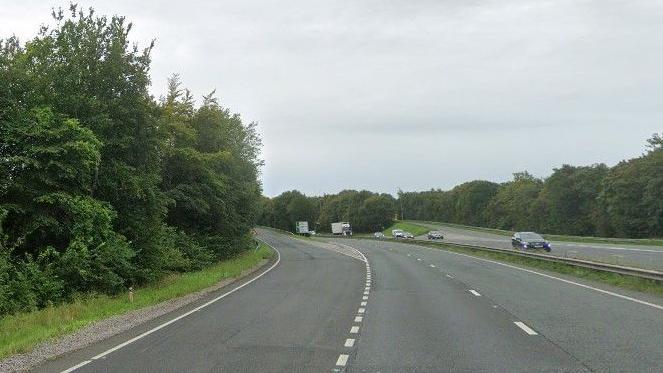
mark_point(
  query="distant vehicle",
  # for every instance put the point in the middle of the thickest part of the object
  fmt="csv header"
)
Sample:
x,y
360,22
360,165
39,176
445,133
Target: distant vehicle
x,y
379,235
301,227
435,235
341,228
408,235
529,240
397,233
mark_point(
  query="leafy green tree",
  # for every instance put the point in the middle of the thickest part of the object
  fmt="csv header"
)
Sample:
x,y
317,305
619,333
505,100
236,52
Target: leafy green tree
x,y
376,213
513,206
632,194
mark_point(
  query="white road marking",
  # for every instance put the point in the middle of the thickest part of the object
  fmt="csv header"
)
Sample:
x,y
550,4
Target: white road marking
x,y
364,297
342,360
363,303
349,342
366,293
409,255
354,330
526,328
418,259
361,310
476,293
367,288
432,265
145,334
77,366
358,318
450,276
657,306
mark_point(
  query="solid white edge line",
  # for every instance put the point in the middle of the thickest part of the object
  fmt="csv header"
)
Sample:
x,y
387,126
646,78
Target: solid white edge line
x,y
134,339
342,360
349,342
77,366
657,306
526,328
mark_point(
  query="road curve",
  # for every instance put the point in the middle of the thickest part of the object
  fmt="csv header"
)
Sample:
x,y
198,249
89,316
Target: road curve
x,y
394,308
432,310
295,318
647,257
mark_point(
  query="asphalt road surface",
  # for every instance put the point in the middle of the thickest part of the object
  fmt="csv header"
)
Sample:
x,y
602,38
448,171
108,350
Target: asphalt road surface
x,y
647,257
394,308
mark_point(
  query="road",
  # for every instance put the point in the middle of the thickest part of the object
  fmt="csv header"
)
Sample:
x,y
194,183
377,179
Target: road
x,y
406,309
647,257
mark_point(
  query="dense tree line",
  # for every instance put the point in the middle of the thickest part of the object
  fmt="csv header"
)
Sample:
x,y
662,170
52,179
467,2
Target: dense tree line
x,y
621,201
101,185
366,211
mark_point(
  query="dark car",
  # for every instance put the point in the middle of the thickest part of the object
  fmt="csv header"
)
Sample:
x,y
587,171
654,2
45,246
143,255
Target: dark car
x,y
529,240
435,235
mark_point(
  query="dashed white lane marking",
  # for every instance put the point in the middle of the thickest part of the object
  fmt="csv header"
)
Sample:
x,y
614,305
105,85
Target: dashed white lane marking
x,y
432,265
354,330
526,328
418,259
145,334
342,360
475,293
359,318
367,288
349,342
364,297
653,305
450,276
409,255
361,310
363,304
366,293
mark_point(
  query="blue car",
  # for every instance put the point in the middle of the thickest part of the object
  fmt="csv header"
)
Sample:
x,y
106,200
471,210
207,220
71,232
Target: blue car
x,y
529,240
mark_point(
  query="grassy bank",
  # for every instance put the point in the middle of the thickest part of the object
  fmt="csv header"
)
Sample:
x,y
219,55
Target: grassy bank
x,y
552,237
415,229
614,279
21,332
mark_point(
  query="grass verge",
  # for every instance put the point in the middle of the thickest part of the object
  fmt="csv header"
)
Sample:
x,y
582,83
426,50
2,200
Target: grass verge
x,y
21,332
415,229
553,237
615,279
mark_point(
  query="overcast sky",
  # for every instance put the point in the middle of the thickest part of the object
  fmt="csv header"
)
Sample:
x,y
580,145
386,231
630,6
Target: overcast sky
x,y
409,94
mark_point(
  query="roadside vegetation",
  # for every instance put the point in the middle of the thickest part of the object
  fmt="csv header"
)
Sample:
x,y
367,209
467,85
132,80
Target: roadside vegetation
x,y
21,332
415,229
102,186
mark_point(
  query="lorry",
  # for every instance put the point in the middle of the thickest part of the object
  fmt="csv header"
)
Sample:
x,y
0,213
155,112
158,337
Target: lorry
x,y
301,227
341,228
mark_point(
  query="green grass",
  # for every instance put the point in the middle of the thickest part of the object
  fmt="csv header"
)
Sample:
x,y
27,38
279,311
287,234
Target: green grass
x,y
553,237
21,332
623,281
415,229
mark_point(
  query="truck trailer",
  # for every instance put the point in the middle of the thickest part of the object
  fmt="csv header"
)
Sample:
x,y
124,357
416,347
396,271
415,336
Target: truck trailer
x,y
341,228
